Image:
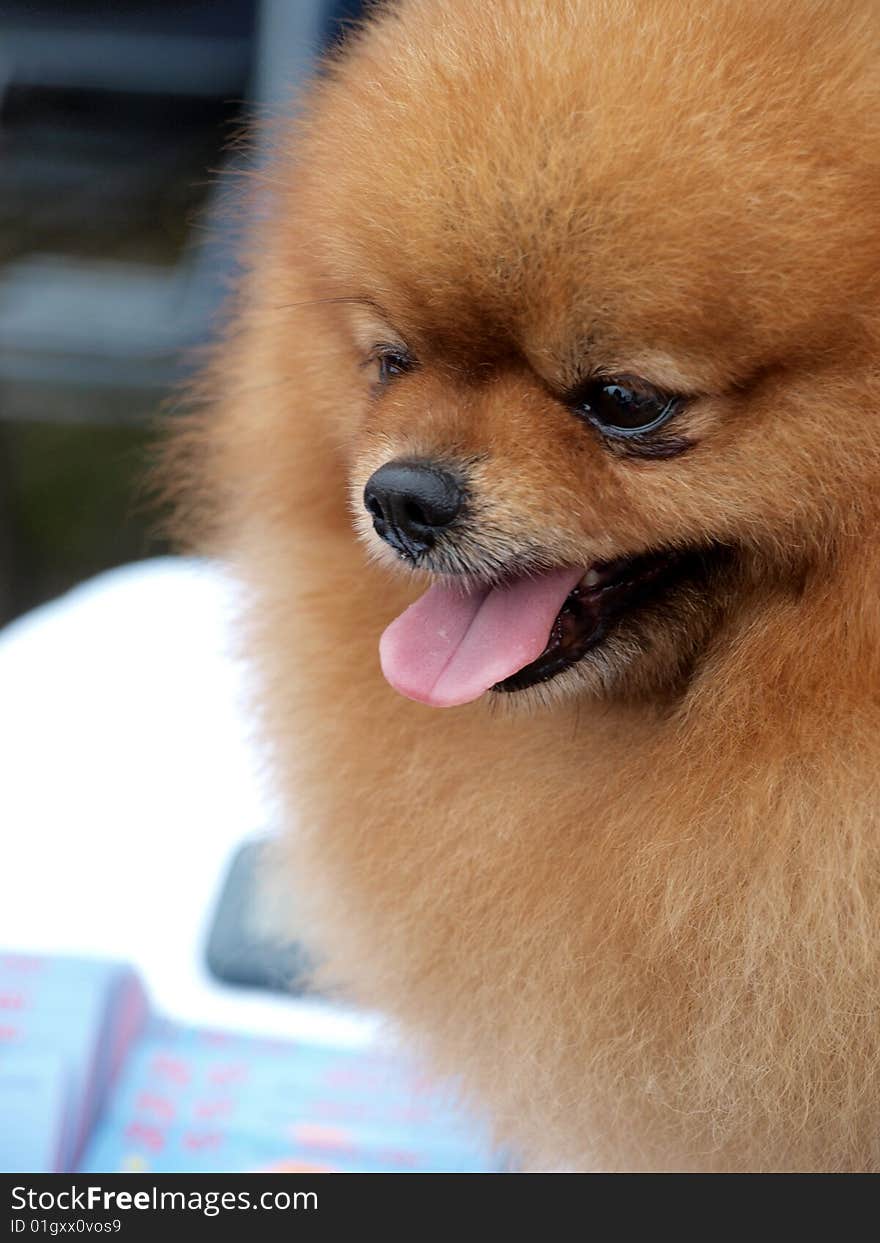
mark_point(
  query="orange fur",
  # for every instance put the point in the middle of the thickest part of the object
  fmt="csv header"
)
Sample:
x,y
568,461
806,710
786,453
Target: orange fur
x,y
640,920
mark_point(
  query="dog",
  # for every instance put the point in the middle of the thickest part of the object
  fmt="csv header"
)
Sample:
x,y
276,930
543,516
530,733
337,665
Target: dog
x,y
544,437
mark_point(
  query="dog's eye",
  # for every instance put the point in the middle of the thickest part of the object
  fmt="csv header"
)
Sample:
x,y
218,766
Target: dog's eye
x,y
625,407
390,363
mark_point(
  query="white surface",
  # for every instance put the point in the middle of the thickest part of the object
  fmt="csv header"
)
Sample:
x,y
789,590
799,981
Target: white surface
x,y
127,779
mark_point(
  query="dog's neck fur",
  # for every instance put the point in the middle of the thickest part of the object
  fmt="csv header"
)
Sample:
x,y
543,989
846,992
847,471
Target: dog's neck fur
x,y
649,1011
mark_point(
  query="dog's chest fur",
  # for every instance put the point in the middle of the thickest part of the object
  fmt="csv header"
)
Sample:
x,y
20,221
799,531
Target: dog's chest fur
x,y
645,939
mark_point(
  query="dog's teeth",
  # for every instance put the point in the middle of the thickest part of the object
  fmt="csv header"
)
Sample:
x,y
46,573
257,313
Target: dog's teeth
x,y
591,578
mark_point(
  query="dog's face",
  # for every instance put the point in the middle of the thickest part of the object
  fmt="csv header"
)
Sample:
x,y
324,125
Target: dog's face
x,y
605,278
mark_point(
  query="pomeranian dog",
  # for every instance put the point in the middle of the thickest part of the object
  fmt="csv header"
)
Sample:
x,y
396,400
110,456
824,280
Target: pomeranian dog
x,y
551,394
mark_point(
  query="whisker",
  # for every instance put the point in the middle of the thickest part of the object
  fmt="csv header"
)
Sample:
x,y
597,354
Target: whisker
x,y
344,300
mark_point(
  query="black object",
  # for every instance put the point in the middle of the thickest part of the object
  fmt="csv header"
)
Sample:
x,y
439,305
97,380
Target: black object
x,y
240,949
411,503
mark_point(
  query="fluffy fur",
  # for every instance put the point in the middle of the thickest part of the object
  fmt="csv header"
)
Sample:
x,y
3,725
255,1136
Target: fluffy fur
x,y
638,914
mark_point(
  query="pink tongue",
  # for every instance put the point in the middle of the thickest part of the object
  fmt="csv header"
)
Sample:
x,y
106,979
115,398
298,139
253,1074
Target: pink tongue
x,y
448,647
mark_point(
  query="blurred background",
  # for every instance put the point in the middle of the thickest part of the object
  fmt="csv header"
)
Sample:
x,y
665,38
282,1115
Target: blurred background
x,y
116,117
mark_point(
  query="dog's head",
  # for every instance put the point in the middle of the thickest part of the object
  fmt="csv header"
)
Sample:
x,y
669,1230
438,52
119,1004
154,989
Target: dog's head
x,y
607,278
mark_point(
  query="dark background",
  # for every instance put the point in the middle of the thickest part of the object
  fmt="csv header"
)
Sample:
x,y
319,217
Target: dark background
x,y
116,127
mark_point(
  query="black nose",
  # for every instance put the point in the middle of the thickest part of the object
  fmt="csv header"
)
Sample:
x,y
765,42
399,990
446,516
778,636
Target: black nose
x,y
412,503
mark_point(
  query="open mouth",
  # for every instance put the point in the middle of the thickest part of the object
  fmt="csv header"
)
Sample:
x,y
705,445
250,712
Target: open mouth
x,y
453,645
607,590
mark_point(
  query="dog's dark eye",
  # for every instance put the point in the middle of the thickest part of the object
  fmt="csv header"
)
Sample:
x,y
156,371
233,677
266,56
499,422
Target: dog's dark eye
x,y
624,407
390,363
